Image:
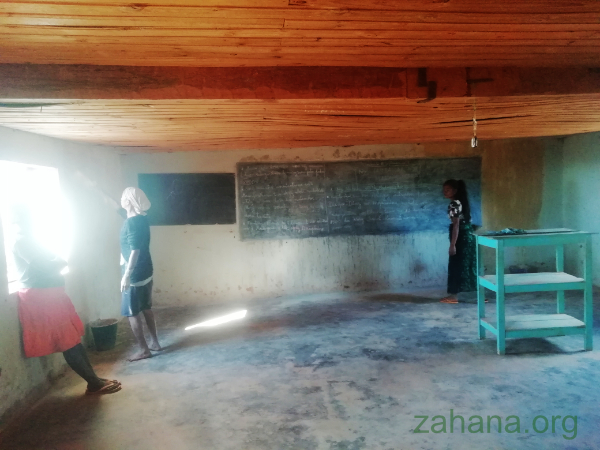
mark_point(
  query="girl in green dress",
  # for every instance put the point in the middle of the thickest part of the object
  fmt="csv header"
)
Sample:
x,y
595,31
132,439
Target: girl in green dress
x,y
462,261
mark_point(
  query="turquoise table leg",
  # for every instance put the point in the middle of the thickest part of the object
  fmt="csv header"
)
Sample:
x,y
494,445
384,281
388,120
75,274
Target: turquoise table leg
x,y
587,296
480,294
500,313
560,267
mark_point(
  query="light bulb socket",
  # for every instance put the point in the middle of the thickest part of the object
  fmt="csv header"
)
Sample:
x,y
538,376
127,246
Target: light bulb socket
x,y
474,141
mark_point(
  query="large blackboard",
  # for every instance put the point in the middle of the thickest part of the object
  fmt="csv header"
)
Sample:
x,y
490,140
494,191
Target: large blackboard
x,y
280,201
190,198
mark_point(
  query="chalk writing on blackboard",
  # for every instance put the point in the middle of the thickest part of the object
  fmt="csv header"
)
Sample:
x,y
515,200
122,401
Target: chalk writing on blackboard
x,y
281,201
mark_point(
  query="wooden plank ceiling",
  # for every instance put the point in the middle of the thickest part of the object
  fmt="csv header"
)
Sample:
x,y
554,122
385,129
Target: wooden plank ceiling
x,y
232,33
297,73
171,125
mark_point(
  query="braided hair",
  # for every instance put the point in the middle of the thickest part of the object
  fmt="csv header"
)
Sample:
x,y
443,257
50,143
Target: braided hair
x,y
461,195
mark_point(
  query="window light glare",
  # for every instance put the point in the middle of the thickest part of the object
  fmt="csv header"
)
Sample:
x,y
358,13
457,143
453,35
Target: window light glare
x,y
219,320
38,189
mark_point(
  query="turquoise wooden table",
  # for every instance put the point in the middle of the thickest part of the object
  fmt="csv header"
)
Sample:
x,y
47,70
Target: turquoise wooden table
x,y
535,325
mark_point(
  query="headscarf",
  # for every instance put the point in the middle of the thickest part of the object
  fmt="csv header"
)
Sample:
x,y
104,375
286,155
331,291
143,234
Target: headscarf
x,y
137,199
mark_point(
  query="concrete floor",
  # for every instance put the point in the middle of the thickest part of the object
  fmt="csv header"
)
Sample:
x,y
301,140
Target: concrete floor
x,y
343,371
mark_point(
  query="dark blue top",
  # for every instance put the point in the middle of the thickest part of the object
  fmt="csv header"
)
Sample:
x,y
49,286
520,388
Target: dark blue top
x,y
36,266
135,235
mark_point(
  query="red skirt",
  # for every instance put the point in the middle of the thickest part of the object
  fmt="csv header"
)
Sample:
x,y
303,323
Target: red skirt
x,y
49,321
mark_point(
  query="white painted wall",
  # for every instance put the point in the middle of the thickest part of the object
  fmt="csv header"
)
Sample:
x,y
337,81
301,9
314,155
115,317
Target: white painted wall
x,y
210,264
93,281
581,190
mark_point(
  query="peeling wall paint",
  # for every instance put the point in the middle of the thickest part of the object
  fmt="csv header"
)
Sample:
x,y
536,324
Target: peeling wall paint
x,y
219,267
94,278
209,264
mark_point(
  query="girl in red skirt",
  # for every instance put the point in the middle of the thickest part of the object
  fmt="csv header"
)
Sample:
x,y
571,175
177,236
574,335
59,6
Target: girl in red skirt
x,y
48,318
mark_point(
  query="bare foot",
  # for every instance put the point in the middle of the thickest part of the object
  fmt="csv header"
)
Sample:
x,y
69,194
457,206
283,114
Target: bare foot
x,y
144,354
155,347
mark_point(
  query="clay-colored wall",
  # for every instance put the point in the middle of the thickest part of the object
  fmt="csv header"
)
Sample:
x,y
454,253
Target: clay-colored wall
x,y
209,264
581,187
512,188
93,281
521,186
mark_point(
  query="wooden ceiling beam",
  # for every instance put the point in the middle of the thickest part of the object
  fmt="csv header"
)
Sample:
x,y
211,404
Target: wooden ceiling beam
x,y
30,81
175,125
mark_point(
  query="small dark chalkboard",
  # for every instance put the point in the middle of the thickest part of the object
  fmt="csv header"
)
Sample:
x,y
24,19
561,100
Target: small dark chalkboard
x,y
190,198
298,200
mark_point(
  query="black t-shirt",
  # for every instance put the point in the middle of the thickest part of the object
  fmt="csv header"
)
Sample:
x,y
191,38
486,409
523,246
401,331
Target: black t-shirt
x,y
135,235
36,266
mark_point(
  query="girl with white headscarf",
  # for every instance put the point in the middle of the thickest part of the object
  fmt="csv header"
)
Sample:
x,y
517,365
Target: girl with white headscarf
x,y
137,270
137,200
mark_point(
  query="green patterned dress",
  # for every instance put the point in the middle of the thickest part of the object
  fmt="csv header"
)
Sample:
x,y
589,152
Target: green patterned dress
x,y
462,267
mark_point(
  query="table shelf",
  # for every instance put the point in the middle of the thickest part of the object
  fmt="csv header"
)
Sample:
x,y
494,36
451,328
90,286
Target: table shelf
x,y
534,282
538,325
535,325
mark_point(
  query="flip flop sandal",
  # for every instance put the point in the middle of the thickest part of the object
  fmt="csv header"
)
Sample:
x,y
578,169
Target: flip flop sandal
x,y
109,388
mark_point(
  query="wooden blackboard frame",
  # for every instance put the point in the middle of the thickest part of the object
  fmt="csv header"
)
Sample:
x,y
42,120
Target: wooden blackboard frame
x,y
367,197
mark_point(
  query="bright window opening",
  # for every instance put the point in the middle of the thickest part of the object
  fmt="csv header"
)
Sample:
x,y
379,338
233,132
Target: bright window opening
x,y
38,188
